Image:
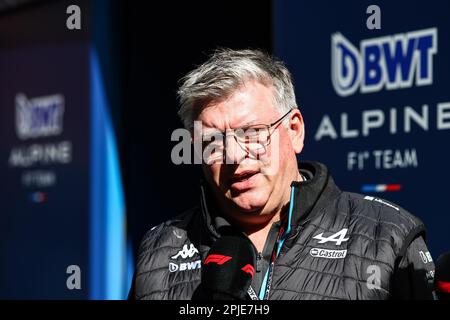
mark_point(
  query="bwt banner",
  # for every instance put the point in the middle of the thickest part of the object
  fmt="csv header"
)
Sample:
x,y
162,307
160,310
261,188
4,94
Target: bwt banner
x,y
44,224
372,85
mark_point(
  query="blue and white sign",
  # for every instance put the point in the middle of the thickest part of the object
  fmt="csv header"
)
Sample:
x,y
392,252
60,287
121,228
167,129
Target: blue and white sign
x,y
376,101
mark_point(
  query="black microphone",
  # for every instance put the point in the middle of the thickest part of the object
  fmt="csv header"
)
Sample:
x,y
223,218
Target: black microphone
x,y
228,269
442,277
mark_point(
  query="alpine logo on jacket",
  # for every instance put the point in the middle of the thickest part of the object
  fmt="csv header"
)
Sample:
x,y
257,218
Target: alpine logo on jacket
x,y
337,238
185,253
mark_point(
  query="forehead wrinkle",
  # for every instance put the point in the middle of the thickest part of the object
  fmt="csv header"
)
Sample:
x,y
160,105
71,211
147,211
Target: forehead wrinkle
x,y
240,116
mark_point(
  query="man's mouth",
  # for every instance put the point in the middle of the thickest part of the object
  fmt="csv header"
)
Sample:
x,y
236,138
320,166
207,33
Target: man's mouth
x,y
243,180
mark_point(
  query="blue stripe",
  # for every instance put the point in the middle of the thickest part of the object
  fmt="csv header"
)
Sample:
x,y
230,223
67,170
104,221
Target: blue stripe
x,y
263,289
109,264
97,253
288,230
369,188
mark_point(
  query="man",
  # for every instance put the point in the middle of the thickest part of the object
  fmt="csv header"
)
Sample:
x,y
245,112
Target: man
x,y
328,244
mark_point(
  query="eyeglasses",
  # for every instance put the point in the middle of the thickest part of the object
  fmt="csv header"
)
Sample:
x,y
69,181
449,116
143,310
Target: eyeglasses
x,y
252,139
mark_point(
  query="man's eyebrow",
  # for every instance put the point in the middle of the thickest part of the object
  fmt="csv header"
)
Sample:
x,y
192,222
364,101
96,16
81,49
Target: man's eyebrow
x,y
209,132
246,124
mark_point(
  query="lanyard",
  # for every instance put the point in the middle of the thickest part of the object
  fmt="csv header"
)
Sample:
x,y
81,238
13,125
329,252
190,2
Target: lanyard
x,y
282,235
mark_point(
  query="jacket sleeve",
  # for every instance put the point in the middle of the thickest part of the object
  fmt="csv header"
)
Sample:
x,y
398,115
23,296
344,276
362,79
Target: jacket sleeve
x,y
414,273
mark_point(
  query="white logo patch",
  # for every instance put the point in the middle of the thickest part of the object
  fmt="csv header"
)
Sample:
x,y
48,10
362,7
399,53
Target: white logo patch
x,y
186,252
338,237
426,257
381,201
328,254
173,267
176,234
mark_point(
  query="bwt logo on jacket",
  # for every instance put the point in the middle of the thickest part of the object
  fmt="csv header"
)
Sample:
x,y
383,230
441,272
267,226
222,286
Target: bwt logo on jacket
x,y
391,62
173,267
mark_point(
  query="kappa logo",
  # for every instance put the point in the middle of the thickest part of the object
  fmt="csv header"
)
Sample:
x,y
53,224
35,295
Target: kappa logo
x,y
392,62
186,252
337,238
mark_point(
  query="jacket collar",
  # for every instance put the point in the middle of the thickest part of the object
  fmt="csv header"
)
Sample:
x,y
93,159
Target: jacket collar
x,y
310,197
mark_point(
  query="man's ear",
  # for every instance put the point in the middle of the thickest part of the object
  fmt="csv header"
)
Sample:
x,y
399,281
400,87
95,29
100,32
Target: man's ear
x,y
297,130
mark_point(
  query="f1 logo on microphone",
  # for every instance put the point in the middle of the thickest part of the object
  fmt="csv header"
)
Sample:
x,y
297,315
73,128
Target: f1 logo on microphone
x,y
217,258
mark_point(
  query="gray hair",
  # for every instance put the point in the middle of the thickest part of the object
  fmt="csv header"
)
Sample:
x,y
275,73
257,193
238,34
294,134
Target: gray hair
x,y
224,72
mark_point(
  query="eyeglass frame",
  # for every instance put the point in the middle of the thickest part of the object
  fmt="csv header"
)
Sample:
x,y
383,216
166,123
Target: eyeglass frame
x,y
268,128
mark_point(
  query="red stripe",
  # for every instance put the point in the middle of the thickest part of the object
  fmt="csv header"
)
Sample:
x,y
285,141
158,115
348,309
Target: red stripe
x,y
217,258
393,187
443,286
248,268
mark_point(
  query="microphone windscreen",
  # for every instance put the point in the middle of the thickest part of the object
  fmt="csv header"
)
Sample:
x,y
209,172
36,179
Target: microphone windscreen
x,y
229,267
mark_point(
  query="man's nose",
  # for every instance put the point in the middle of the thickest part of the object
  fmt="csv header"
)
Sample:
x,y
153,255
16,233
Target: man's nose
x,y
234,152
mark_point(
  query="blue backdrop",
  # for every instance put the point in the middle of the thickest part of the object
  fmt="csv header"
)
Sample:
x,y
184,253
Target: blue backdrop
x,y
376,103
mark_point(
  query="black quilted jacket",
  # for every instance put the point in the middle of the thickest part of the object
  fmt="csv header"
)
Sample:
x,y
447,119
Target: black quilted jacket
x,y
341,246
